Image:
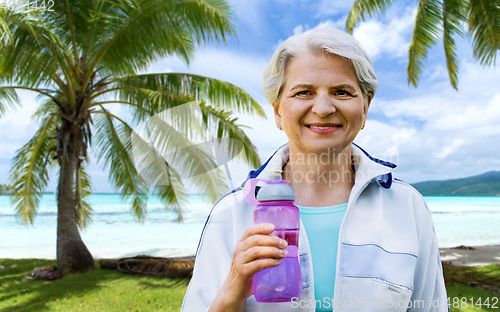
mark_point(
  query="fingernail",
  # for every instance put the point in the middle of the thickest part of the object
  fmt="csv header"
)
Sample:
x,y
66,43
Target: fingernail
x,y
283,243
277,260
283,253
269,227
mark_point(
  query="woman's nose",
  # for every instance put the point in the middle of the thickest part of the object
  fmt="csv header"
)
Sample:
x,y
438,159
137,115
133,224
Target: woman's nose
x,y
323,105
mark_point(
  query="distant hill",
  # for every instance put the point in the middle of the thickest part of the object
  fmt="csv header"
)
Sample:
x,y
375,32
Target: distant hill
x,y
4,189
486,184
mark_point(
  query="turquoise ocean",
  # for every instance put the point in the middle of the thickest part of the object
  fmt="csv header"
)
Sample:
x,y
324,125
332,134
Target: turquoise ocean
x,y
471,221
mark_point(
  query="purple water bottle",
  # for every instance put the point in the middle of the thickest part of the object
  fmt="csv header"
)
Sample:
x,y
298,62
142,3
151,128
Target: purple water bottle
x,y
275,205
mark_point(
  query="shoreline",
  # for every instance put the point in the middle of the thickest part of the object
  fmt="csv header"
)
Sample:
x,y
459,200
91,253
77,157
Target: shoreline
x,y
458,255
471,255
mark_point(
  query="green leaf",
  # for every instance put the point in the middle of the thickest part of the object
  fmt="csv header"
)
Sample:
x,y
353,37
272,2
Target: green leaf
x,y
484,26
143,31
29,174
361,7
83,189
35,55
226,127
8,98
426,33
155,93
113,147
162,147
453,19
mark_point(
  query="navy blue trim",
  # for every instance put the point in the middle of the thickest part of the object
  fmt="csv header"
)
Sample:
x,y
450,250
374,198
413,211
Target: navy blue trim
x,y
210,214
382,162
385,180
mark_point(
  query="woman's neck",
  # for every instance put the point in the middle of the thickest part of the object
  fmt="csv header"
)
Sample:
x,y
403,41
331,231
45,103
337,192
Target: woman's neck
x,y
320,179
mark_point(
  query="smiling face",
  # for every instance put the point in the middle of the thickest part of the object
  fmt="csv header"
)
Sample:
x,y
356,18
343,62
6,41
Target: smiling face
x,y
321,108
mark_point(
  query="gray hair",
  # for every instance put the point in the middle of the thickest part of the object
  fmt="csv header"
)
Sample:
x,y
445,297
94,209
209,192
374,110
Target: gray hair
x,y
320,40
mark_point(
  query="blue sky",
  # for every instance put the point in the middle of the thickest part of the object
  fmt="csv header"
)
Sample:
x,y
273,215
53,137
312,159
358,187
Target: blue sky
x,y
431,132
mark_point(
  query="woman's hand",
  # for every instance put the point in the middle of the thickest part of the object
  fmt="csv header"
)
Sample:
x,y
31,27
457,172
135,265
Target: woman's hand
x,y
255,251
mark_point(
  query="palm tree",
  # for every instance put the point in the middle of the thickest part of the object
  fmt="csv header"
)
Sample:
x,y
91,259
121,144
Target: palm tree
x,y
84,56
480,19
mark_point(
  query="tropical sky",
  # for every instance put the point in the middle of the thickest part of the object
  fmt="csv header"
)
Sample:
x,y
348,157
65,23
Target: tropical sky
x,y
431,132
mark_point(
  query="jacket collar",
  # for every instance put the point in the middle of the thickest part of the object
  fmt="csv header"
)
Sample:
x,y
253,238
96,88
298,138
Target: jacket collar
x,y
366,167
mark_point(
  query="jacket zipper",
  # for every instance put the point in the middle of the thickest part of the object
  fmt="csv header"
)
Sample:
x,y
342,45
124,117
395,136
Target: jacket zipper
x,y
336,290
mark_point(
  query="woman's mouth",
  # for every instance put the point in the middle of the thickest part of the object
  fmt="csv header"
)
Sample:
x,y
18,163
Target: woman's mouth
x,y
323,128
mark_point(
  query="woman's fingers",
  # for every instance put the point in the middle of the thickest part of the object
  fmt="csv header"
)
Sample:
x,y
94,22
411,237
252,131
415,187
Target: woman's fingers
x,y
255,266
263,228
256,250
257,235
263,240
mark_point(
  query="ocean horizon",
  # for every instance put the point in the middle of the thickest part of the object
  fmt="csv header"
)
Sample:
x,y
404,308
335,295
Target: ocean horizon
x,y
115,233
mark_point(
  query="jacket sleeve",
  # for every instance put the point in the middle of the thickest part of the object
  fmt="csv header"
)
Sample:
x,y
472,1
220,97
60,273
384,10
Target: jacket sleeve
x,y
212,262
429,292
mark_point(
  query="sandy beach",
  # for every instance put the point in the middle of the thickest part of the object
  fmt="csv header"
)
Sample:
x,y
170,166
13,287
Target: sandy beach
x,y
471,255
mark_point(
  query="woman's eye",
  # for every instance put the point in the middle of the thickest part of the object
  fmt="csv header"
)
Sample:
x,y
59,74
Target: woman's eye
x,y
342,92
305,92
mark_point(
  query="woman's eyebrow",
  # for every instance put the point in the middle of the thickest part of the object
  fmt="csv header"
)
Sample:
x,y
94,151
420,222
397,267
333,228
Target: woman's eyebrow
x,y
344,86
302,86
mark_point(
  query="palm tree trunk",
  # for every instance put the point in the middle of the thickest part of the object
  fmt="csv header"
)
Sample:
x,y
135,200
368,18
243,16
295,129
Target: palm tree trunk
x,y
72,254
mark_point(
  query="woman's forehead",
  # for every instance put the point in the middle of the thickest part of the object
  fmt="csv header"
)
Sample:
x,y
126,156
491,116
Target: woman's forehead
x,y
306,68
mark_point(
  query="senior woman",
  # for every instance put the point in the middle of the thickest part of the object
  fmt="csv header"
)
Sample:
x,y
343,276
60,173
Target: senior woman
x,y
366,240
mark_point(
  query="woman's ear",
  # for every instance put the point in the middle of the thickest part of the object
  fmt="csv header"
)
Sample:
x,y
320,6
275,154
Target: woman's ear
x,y
367,102
277,113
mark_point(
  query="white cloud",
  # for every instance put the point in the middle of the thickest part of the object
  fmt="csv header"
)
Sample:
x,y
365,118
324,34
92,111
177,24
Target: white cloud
x,y
389,37
447,150
386,38
16,127
303,29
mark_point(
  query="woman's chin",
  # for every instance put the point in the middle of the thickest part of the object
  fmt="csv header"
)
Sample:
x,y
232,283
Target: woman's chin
x,y
323,148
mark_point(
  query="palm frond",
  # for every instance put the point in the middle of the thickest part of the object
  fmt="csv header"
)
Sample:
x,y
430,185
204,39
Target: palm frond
x,y
166,182
36,54
426,32
232,139
29,174
73,21
361,7
8,98
83,188
4,30
44,109
453,17
165,147
114,149
158,92
144,30
173,194
484,26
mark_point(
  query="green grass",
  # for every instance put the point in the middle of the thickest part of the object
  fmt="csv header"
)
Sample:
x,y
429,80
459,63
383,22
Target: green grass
x,y
100,290
458,280
108,290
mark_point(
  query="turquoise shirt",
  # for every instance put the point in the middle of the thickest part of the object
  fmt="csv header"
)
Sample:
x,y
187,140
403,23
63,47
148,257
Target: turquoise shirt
x,y
322,225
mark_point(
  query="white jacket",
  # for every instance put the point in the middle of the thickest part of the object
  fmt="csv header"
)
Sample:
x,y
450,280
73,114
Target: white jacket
x,y
387,259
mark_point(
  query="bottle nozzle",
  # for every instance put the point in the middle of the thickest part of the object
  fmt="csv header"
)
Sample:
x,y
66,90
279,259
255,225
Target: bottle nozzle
x,y
275,175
